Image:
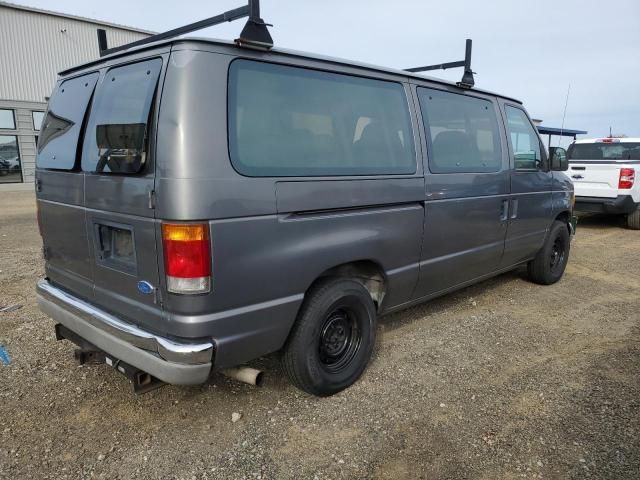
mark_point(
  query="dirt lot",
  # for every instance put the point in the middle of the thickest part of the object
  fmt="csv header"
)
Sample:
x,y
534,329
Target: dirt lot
x,y
505,379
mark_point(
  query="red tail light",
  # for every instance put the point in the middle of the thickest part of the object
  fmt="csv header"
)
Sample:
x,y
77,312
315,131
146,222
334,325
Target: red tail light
x,y
627,177
187,257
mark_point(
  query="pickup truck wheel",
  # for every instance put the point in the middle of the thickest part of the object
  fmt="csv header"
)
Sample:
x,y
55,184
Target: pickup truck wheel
x,y
633,219
333,338
550,262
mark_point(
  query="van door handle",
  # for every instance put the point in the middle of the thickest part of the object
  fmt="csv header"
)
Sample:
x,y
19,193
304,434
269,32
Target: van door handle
x,y
504,210
514,209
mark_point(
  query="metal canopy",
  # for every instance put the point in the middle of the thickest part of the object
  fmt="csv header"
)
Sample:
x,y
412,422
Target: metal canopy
x,y
560,132
563,132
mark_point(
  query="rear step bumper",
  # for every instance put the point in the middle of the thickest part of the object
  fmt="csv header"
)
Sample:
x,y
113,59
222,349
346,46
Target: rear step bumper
x,y
622,204
165,359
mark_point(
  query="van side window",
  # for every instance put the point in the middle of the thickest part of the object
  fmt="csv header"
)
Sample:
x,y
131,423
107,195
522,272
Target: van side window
x,y
524,140
115,139
288,121
58,140
463,132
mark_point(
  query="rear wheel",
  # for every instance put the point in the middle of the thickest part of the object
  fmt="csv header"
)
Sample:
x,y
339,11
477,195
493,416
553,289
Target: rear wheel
x,y
550,262
333,338
633,219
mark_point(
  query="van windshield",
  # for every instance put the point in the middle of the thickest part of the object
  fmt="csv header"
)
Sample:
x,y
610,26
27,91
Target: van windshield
x,y
604,151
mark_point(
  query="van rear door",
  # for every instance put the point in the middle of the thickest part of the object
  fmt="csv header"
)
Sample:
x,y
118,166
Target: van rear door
x,y
95,183
117,161
60,187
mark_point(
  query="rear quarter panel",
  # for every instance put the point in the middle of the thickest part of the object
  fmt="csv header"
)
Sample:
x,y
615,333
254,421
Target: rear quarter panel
x,y
271,237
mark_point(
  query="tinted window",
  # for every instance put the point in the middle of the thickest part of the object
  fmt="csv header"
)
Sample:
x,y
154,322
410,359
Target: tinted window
x,y
9,159
6,119
524,140
115,139
463,132
58,139
286,121
604,151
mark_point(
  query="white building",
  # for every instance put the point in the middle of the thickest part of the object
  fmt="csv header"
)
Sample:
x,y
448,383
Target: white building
x,y
34,46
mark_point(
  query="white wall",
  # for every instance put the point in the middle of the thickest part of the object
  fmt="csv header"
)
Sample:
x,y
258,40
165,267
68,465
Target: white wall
x,y
34,47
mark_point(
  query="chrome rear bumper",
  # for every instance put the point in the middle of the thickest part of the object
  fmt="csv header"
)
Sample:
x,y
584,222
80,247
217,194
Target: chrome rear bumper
x,y
168,360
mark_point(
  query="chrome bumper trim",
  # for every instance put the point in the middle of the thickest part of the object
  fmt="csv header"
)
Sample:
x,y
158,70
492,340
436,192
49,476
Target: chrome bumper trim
x,y
170,350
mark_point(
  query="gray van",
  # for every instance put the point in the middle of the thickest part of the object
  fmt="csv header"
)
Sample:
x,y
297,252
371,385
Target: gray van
x,y
203,204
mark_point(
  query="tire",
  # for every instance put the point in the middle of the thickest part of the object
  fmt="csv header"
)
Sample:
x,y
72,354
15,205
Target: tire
x,y
333,338
548,266
633,220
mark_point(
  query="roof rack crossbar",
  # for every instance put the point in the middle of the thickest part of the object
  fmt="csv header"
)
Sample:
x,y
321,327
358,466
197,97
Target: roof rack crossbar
x,y
254,34
467,78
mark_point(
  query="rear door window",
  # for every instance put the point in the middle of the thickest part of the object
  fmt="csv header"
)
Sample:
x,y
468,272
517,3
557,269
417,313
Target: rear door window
x,y
116,136
463,132
58,139
612,150
287,121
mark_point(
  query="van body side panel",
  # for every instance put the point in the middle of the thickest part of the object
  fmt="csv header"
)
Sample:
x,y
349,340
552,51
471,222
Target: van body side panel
x,y
528,225
276,258
271,237
561,193
531,205
464,231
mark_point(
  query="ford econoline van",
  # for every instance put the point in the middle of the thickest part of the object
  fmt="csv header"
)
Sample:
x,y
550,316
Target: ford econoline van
x,y
202,204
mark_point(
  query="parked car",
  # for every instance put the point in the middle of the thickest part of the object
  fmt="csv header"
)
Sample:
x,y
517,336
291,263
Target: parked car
x,y
603,171
226,203
9,164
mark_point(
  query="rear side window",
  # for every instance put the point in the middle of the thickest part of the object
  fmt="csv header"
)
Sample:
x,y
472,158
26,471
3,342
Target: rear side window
x,y
287,121
524,140
604,151
115,139
464,132
58,139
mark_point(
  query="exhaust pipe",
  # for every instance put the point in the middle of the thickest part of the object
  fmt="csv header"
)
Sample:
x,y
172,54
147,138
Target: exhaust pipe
x,y
245,375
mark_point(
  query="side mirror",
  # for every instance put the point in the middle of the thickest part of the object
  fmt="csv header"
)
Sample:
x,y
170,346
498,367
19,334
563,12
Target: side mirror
x,y
559,160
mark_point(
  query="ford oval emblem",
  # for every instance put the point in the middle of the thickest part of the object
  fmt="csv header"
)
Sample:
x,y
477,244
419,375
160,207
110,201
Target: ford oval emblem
x,y
145,287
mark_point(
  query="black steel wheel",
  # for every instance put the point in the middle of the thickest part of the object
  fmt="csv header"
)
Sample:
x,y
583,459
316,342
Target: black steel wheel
x,y
340,339
549,264
333,338
557,257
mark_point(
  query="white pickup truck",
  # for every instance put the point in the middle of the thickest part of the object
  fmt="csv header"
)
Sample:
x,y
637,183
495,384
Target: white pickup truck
x,y
604,173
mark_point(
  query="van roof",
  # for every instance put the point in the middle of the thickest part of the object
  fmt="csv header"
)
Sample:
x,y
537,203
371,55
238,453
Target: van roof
x,y
608,140
286,52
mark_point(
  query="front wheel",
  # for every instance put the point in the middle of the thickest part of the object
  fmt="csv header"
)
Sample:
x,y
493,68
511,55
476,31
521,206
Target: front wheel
x,y
633,219
333,338
548,266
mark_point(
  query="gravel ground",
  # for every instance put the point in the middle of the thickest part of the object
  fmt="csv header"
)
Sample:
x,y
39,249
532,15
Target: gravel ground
x,y
505,379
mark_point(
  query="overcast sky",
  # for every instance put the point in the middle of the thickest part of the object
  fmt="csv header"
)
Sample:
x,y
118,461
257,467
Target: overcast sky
x,y
529,50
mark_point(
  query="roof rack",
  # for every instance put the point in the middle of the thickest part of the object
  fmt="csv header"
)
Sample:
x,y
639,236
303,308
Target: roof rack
x,y
253,35
467,77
